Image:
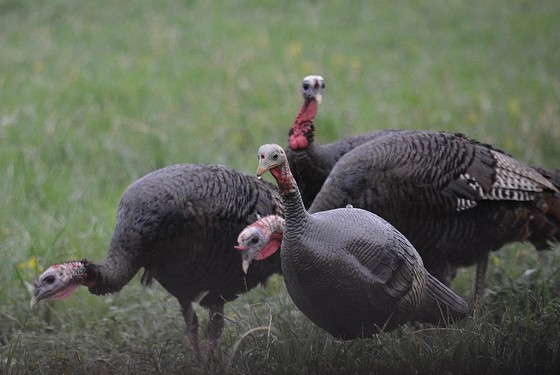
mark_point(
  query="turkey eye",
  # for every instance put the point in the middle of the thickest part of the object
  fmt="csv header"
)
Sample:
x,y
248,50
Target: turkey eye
x,y
254,240
305,86
49,279
275,156
323,85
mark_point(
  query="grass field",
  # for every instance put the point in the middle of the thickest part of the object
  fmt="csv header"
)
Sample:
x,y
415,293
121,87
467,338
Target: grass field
x,y
95,94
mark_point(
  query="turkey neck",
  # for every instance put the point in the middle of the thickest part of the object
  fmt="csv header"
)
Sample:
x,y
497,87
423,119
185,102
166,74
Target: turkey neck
x,y
80,272
302,131
294,211
271,224
307,113
114,272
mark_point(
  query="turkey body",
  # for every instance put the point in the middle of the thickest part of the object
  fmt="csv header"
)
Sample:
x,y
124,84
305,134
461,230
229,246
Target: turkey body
x,y
453,198
350,271
181,223
371,278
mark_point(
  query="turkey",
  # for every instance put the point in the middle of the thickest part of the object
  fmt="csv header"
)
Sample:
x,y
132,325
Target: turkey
x,y
311,163
455,199
348,270
180,223
260,239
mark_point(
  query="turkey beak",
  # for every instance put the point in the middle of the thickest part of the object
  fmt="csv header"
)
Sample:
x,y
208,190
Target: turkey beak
x,y
318,97
245,265
264,166
36,296
247,260
261,170
34,299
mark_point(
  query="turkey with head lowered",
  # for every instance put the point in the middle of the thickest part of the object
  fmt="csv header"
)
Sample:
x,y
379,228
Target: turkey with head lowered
x,y
180,224
350,271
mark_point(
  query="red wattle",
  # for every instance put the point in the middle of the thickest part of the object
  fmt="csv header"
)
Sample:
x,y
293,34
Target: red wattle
x,y
294,143
268,250
302,142
66,292
298,142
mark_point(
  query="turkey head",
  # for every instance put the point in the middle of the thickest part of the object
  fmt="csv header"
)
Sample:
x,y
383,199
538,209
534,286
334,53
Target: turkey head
x,y
59,281
273,158
260,240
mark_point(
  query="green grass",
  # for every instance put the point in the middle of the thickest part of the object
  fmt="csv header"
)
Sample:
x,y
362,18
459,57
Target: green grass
x,y
95,94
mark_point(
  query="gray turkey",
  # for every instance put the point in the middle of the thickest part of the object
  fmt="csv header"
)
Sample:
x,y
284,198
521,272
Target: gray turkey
x,y
348,270
180,223
311,163
455,199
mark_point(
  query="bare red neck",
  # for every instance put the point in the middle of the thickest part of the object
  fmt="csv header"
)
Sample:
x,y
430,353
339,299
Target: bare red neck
x,y
303,124
284,178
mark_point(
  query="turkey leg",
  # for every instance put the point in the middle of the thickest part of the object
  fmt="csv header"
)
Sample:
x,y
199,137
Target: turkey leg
x,y
215,327
480,278
191,321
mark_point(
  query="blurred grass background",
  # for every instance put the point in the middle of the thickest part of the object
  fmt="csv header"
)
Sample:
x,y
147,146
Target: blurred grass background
x,y
93,95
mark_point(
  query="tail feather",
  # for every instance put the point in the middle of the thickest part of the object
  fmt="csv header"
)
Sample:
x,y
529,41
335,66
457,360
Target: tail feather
x,y
545,225
441,305
552,175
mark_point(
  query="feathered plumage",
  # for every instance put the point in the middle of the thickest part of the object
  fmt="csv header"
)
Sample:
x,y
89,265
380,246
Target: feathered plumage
x,y
180,224
455,199
350,271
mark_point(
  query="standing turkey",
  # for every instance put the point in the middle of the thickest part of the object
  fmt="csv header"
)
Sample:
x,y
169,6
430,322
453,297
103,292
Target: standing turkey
x,y
348,270
455,199
311,163
180,223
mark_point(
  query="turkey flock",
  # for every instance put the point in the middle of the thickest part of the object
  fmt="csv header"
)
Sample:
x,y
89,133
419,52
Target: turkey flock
x,y
367,232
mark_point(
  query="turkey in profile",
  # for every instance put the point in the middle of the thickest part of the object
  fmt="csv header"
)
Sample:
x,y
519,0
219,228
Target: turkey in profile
x,y
180,224
455,199
348,270
310,162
